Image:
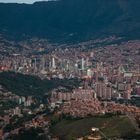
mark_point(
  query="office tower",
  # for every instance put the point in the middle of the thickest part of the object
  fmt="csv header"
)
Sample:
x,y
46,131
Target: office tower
x,y
53,63
17,111
89,73
95,95
67,65
76,67
91,54
43,63
35,66
82,64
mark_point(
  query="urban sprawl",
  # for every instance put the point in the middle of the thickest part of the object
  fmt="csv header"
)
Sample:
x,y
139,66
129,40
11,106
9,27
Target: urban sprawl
x,y
110,81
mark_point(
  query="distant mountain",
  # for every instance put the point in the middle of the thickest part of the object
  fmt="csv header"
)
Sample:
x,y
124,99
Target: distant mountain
x,y
71,20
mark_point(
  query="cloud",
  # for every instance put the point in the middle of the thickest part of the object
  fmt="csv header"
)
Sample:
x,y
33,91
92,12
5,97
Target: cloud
x,y
20,1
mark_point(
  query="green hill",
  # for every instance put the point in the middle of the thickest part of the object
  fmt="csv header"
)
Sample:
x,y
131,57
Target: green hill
x,y
115,126
31,85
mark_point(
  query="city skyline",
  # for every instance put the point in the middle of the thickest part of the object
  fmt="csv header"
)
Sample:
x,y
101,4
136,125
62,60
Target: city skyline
x,y
69,69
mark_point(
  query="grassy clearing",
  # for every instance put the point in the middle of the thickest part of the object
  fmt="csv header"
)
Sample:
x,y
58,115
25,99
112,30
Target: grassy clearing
x,y
115,126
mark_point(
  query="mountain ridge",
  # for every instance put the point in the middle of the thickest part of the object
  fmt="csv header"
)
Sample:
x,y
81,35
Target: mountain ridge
x,y
70,20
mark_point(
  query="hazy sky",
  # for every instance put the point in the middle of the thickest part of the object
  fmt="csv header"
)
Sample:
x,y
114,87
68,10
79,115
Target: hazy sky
x,y
21,1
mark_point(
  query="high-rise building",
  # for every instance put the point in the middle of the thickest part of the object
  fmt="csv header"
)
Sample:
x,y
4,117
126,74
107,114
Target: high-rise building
x,y
53,63
17,111
89,73
82,64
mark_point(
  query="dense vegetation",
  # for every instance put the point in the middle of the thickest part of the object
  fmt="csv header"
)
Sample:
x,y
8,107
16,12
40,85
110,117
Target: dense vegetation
x,y
31,85
31,134
71,20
